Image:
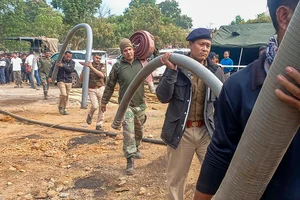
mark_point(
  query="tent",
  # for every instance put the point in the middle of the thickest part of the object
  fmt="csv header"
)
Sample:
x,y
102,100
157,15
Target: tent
x,y
39,44
242,40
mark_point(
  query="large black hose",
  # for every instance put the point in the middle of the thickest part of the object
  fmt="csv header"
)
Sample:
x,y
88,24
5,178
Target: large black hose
x,y
22,119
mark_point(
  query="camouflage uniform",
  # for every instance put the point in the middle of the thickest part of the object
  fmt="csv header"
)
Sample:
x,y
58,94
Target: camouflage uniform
x,y
123,73
44,66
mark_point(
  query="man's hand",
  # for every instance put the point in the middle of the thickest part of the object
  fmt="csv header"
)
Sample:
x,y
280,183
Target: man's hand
x,y
291,87
59,64
103,108
200,196
89,64
50,80
166,61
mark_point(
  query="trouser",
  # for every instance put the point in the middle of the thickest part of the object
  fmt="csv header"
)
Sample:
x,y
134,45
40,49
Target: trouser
x,y
7,75
133,125
23,74
45,83
226,76
18,78
194,139
95,97
65,89
11,74
2,76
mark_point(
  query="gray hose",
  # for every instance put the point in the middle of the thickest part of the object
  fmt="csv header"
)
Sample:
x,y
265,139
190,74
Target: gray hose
x,y
22,119
183,61
270,129
89,46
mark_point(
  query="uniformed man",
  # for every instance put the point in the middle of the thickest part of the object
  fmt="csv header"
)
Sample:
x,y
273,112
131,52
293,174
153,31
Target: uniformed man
x,y
188,125
96,89
44,65
123,72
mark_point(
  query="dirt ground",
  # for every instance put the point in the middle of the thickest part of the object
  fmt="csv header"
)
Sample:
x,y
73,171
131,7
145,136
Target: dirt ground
x,y
38,162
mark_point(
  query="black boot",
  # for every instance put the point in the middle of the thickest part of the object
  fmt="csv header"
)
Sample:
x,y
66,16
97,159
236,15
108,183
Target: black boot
x,y
45,95
130,166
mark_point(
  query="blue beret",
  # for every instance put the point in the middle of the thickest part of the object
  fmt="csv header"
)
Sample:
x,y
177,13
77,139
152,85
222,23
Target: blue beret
x,y
199,33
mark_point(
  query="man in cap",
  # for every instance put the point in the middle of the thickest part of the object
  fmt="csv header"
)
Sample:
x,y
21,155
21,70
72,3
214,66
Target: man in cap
x,y
188,125
123,72
234,107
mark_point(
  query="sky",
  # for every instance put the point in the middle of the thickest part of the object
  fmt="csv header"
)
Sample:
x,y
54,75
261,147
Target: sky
x,y
206,13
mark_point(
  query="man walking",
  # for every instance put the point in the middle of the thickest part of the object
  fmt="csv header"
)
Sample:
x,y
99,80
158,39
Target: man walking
x,y
123,72
44,65
188,125
96,89
64,80
16,64
31,63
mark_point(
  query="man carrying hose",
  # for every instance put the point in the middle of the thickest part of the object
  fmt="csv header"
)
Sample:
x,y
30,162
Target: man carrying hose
x,y
123,72
234,107
188,125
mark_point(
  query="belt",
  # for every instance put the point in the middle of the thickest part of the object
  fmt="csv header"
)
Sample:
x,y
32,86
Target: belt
x,y
95,87
190,123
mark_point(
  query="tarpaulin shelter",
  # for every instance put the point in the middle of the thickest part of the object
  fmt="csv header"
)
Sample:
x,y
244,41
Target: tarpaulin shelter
x,y
242,40
39,44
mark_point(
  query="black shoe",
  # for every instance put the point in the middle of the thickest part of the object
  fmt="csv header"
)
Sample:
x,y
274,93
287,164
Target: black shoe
x,y
89,120
130,166
138,154
99,128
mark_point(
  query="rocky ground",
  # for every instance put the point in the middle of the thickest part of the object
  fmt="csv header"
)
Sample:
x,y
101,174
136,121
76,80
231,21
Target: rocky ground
x,y
38,162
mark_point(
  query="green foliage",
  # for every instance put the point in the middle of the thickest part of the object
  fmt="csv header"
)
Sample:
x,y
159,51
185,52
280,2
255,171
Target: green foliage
x,y
77,11
261,18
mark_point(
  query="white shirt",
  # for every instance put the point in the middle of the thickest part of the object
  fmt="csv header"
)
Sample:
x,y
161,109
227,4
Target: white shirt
x,y
16,62
2,63
29,61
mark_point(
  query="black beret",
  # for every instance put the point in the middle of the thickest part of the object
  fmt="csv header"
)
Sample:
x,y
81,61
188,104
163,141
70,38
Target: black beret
x,y
199,33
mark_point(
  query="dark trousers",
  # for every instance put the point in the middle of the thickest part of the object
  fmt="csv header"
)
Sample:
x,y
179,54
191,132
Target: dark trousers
x,y
2,76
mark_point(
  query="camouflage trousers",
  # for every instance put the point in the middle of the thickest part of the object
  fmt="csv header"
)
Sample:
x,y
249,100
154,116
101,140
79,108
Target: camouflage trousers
x,y
133,125
18,78
45,83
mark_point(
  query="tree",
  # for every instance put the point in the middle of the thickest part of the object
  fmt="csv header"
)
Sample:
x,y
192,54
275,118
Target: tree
x,y
170,8
238,20
77,11
261,18
138,3
184,22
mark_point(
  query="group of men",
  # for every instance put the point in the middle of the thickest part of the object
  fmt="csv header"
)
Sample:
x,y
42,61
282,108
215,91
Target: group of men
x,y
196,120
189,125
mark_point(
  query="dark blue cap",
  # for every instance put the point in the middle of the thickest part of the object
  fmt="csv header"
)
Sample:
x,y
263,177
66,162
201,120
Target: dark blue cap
x,y
199,33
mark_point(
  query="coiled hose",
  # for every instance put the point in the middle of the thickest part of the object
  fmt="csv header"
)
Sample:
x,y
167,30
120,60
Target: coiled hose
x,y
144,44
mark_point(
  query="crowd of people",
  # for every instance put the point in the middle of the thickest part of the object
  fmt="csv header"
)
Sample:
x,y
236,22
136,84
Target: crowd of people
x,y
196,120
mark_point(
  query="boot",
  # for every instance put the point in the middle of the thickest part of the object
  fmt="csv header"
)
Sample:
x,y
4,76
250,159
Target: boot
x,y
45,95
130,166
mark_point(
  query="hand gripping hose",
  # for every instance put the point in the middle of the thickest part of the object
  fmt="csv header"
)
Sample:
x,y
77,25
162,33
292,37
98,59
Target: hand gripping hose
x,y
269,131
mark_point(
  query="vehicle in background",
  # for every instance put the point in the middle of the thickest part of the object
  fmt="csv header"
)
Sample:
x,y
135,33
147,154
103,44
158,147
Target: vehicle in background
x,y
79,56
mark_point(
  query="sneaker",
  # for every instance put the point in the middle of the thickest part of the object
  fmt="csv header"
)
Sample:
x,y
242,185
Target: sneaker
x,y
65,112
99,128
130,166
16,86
37,88
89,119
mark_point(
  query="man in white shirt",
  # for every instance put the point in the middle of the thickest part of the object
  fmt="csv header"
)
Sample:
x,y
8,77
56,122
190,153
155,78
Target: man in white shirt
x,y
16,63
32,63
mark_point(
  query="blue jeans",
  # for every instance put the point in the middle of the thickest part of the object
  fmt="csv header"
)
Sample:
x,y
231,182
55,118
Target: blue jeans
x,y
37,77
2,76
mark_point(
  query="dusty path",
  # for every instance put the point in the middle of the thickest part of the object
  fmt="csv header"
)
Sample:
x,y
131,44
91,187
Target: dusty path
x,y
38,162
